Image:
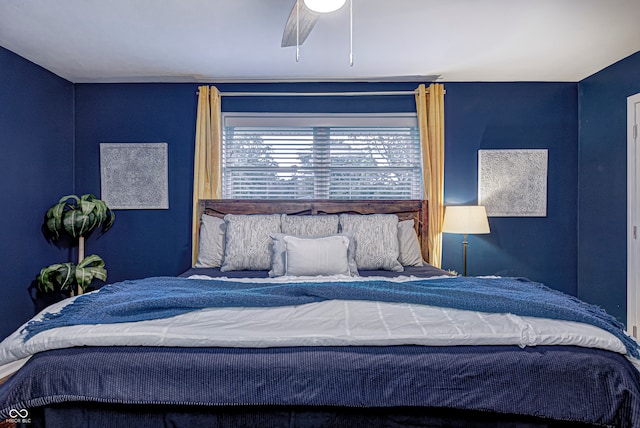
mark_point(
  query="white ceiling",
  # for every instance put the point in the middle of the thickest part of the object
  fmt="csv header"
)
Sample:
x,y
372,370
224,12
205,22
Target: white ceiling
x,y
239,40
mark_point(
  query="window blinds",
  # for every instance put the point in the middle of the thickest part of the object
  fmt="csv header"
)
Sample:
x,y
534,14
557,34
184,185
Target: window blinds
x,y
308,158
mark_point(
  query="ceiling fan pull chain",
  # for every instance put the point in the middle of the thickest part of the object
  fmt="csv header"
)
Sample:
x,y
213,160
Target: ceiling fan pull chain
x,y
297,30
350,33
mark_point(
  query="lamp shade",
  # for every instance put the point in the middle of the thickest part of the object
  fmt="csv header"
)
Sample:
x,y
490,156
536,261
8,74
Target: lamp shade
x,y
470,219
324,6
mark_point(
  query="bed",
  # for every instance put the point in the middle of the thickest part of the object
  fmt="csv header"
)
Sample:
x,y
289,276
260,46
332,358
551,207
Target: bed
x,y
316,314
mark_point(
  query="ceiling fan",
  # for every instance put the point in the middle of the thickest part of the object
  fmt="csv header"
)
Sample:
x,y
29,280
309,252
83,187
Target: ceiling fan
x,y
303,17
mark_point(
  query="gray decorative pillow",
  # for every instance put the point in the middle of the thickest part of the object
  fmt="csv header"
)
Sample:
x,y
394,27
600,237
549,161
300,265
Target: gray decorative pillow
x,y
279,254
248,241
309,225
211,242
376,240
410,254
316,256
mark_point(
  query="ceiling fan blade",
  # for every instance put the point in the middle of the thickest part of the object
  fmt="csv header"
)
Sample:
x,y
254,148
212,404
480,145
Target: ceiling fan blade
x,y
307,20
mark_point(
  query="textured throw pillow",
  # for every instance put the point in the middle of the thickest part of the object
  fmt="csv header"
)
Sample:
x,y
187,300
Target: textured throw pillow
x,y
279,254
211,242
376,238
316,256
309,225
410,254
248,241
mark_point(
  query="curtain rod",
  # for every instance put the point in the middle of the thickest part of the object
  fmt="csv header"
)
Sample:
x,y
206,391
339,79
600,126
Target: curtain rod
x,y
314,94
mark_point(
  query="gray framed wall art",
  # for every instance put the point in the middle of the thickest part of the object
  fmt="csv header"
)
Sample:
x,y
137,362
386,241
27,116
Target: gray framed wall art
x,y
134,175
513,183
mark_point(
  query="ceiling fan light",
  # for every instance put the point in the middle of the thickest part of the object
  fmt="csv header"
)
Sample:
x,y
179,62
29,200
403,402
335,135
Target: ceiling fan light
x,y
324,6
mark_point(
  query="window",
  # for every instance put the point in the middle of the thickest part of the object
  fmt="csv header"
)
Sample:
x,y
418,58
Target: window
x,y
268,156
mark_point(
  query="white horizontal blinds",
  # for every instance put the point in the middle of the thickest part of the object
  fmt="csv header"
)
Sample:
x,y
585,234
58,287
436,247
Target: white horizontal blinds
x,y
376,162
321,161
271,163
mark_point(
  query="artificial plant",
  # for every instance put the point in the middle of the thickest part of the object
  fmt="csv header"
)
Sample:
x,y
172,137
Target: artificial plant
x,y
76,217
66,276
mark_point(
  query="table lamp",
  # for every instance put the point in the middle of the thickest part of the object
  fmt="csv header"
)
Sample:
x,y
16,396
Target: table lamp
x,y
465,219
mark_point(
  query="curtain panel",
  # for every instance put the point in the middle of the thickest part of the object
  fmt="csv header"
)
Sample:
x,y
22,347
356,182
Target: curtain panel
x,y
207,166
430,110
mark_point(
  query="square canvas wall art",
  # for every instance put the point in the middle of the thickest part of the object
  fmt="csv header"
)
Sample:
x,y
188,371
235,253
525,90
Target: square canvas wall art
x,y
513,183
134,175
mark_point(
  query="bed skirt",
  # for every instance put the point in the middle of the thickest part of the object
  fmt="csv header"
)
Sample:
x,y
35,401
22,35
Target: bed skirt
x,y
96,415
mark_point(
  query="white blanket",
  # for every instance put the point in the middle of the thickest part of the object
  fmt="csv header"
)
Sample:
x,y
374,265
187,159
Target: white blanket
x,y
327,323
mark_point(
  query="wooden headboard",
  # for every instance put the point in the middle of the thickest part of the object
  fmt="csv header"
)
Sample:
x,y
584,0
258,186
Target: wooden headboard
x,y
404,209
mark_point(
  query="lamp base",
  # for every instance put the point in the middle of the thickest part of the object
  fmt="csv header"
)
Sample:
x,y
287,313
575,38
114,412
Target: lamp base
x,y
464,253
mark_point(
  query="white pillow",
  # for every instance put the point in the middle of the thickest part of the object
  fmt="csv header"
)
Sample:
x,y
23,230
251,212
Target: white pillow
x,y
316,256
279,253
309,225
248,241
211,242
410,254
376,240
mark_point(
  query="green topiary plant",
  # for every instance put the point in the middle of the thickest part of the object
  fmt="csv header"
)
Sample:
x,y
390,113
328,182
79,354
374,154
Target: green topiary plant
x,y
68,276
76,217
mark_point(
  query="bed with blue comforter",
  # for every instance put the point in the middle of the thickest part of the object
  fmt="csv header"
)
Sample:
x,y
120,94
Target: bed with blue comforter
x,y
310,379
348,345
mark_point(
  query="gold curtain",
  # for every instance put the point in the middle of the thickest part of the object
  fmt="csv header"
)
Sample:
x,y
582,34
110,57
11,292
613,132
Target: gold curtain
x,y
207,167
430,109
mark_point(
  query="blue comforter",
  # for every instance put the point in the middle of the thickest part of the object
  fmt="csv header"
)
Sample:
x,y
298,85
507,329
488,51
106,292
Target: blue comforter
x,y
161,297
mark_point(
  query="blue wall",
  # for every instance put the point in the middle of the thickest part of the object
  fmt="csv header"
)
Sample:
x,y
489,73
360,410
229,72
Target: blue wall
x,y
478,116
515,116
602,188
36,169
142,242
